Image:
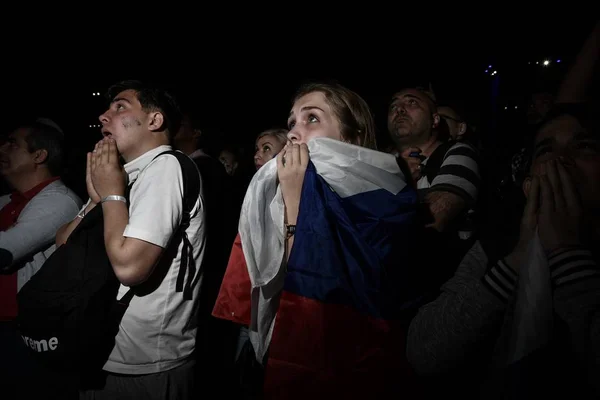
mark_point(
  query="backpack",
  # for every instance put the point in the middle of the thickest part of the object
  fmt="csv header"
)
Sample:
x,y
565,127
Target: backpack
x,y
68,312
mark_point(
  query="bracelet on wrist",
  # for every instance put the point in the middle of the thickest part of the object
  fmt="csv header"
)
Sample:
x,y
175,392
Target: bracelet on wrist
x,y
113,197
289,230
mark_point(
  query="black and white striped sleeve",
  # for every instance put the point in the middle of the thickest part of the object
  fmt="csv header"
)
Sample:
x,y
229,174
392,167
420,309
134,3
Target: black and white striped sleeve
x,y
575,276
571,265
501,280
459,173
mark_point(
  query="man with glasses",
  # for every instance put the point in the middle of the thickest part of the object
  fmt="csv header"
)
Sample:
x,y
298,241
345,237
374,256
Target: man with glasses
x,y
456,125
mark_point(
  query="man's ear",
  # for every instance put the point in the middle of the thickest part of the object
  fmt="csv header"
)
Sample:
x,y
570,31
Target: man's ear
x,y
156,121
526,185
462,128
40,156
436,120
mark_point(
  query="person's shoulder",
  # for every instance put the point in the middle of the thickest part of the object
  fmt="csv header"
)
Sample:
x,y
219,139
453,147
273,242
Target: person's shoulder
x,y
464,148
163,165
58,190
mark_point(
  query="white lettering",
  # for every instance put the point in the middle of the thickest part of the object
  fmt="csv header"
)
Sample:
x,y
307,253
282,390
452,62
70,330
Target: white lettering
x,y
41,345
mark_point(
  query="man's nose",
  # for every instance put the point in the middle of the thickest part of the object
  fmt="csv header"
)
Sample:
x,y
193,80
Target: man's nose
x,y
397,110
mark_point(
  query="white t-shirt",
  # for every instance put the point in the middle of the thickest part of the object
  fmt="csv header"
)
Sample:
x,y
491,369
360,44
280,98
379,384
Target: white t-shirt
x,y
158,330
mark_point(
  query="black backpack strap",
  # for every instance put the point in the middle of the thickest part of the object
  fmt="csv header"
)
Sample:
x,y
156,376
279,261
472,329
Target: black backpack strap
x,y
191,183
436,159
191,192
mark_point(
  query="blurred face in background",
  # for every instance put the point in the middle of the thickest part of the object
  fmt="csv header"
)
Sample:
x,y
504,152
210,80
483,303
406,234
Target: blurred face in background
x,y
266,149
229,161
456,126
564,137
539,105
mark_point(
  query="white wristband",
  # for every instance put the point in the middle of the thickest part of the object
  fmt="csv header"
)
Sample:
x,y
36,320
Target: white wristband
x,y
114,197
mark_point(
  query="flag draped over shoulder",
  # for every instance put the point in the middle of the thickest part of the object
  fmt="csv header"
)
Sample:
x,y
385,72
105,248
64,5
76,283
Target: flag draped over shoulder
x,y
331,315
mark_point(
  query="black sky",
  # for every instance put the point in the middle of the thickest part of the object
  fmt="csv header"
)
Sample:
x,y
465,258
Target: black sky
x,y
241,78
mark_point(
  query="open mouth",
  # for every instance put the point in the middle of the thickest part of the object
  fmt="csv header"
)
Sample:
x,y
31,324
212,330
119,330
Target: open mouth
x,y
106,133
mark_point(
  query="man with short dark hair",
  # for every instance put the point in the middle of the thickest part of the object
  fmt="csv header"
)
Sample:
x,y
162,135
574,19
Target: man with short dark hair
x,y
157,336
30,163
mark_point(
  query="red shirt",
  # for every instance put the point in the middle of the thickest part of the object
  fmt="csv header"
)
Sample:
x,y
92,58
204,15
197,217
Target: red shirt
x,y
8,218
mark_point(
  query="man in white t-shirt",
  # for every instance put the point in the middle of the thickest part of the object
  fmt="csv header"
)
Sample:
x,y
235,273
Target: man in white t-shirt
x,y
152,354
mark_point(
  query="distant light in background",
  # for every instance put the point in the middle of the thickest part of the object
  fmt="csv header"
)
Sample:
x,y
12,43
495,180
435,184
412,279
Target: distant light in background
x,y
545,62
489,71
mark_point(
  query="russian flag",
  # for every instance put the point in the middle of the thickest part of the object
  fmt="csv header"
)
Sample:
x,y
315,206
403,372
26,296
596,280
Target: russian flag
x,y
332,320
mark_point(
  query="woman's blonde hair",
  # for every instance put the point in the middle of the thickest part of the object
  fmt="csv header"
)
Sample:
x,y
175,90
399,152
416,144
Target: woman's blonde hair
x,y
278,133
356,121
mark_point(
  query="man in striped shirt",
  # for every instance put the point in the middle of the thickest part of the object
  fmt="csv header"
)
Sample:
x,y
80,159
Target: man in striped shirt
x,y
446,174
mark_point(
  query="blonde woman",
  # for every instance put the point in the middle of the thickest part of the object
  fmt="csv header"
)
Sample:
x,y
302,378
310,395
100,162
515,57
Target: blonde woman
x,y
268,144
321,232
